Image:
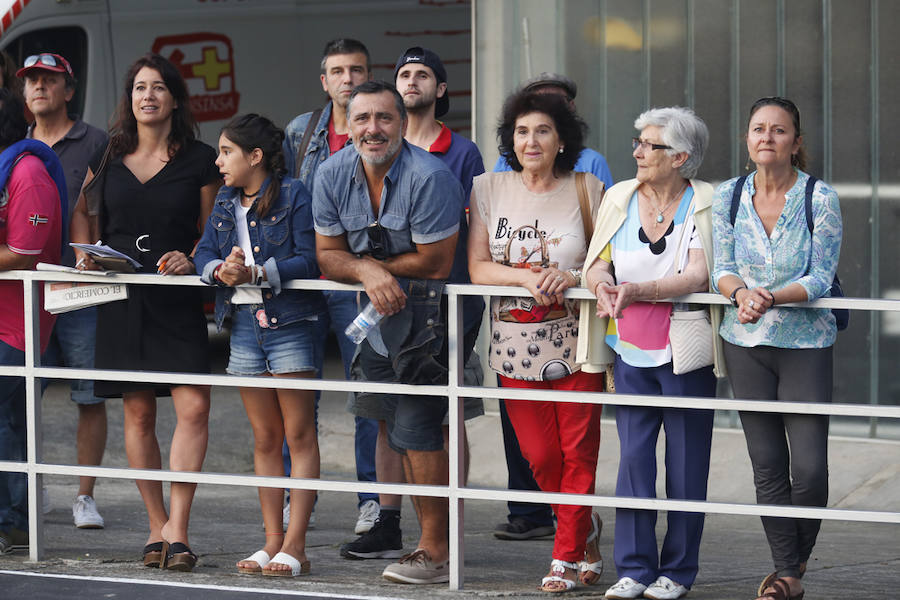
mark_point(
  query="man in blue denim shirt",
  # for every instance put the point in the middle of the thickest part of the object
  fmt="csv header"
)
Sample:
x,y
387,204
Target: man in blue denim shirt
x,y
421,79
345,64
386,215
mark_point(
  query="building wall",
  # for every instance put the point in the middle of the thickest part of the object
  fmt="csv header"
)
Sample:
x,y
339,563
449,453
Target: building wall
x,y
836,59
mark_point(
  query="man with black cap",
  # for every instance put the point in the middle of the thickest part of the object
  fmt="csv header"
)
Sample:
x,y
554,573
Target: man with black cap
x,y
421,80
49,87
525,520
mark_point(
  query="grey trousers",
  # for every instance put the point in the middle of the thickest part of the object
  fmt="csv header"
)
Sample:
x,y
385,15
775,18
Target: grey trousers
x,y
789,452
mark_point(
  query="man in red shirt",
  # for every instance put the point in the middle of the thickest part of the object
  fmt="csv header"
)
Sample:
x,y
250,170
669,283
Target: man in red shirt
x,y
32,216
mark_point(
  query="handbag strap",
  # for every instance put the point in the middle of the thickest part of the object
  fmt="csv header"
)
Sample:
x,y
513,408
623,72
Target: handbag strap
x,y
307,135
585,206
690,211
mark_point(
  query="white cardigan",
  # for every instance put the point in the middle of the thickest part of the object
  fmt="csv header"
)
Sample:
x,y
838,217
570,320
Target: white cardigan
x,y
593,353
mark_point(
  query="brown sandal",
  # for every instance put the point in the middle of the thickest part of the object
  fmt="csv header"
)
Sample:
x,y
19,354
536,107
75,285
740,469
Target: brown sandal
x,y
781,591
153,555
768,579
177,557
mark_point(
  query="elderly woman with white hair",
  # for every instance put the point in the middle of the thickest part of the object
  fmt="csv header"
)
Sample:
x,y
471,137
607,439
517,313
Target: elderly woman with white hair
x,y
653,240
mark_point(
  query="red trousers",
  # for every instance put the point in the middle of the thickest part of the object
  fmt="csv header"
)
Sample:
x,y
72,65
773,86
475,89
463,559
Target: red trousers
x,y
560,440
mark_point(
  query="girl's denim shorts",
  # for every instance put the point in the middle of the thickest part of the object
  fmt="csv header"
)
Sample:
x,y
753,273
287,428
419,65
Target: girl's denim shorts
x,y
294,348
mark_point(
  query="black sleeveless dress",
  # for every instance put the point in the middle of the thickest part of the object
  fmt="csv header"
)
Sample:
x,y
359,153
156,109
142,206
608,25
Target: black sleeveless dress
x,y
157,328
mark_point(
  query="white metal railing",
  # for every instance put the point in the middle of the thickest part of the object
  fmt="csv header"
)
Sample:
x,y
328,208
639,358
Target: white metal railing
x,y
455,492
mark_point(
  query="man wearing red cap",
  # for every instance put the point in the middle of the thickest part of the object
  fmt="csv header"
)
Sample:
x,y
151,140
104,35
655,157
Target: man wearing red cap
x,y
32,224
49,87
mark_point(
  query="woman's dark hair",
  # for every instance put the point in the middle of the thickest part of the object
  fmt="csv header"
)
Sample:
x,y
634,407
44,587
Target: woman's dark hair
x,y
798,160
569,126
13,126
8,68
123,133
252,131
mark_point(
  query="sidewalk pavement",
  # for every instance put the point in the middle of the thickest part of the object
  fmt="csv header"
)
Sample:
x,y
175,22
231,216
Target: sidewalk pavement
x,y
851,560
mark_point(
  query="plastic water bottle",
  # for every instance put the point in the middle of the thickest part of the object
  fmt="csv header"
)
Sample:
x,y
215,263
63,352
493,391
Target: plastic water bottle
x,y
363,324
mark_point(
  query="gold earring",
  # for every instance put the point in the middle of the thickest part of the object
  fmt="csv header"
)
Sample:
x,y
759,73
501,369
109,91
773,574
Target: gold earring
x,y
747,166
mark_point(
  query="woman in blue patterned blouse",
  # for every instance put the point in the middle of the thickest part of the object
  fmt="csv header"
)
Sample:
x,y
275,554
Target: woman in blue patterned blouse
x,y
768,255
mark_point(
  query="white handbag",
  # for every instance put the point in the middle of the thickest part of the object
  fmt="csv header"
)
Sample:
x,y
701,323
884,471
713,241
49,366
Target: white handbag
x,y
690,331
690,336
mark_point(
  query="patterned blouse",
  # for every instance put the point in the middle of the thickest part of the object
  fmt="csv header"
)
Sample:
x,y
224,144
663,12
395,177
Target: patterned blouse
x,y
790,255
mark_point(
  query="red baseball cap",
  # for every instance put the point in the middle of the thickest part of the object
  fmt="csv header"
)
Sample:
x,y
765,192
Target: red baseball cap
x,y
47,62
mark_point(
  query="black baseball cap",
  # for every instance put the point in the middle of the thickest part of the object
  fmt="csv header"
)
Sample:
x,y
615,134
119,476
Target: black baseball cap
x,y
551,79
424,56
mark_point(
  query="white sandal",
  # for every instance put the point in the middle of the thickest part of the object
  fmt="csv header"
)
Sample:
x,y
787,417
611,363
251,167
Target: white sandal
x,y
260,557
557,575
594,537
283,558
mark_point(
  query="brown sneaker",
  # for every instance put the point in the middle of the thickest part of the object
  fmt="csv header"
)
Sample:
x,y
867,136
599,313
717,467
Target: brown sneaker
x,y
418,568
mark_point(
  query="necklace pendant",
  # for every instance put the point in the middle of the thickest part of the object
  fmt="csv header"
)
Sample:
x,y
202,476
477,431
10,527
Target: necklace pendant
x,y
659,218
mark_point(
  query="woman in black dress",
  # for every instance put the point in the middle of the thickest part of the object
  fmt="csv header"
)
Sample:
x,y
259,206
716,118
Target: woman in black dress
x,y
159,183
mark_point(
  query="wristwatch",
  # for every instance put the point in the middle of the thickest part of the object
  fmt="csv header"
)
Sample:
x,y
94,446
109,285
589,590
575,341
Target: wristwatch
x,y
576,273
733,297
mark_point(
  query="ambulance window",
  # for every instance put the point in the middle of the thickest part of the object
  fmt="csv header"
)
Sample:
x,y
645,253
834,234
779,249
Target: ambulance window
x,y
70,42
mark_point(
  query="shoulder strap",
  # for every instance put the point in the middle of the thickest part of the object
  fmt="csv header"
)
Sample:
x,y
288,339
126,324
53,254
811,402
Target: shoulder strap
x,y
585,205
810,186
736,197
307,135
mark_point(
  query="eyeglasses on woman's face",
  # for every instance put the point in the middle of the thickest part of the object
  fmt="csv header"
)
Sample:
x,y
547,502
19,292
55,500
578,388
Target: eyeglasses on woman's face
x,y
645,145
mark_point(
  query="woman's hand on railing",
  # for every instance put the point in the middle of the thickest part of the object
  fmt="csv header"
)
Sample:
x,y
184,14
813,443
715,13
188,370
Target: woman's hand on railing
x,y
754,304
552,282
606,299
175,262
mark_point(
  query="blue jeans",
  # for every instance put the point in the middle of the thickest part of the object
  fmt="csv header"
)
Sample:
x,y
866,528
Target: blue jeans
x,y
342,309
72,345
13,486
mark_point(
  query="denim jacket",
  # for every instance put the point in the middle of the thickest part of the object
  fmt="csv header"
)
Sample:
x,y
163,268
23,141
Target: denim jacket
x,y
317,150
283,242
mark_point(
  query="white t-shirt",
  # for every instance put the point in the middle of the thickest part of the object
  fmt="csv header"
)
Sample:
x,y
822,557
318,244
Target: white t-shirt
x,y
244,293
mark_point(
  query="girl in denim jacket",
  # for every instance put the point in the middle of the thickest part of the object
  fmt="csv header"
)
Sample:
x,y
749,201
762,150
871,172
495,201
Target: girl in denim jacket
x,y
260,232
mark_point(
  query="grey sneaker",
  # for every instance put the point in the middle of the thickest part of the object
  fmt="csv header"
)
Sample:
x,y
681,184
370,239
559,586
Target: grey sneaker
x,y
518,528
13,539
417,568
368,512
85,514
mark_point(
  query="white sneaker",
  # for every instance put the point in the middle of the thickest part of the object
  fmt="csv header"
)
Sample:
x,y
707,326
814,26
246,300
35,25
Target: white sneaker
x,y
286,518
665,589
45,500
84,511
368,512
626,589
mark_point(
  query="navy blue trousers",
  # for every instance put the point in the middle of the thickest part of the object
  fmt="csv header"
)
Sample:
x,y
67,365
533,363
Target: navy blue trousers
x,y
688,439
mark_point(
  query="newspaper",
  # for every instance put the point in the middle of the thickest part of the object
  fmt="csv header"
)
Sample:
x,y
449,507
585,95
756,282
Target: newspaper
x,y
64,296
101,250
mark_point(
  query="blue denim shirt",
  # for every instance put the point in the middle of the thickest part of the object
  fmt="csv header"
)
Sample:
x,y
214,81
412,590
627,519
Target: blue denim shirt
x,y
317,150
283,242
420,203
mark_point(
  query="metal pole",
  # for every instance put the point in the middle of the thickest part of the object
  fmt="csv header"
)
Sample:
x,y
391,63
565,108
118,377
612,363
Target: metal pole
x,y
33,419
456,449
874,209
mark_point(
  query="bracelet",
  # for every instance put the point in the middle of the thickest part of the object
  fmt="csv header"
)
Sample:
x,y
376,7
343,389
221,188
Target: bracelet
x,y
576,273
216,272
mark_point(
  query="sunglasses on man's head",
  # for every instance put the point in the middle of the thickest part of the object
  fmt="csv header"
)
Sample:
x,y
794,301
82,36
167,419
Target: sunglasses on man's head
x,y
377,241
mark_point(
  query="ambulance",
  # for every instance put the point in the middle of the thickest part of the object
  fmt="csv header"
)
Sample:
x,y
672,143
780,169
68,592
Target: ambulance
x,y
237,56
